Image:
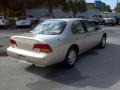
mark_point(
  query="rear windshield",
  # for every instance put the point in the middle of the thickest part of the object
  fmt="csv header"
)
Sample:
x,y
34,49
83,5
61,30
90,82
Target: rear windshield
x,y
22,18
50,27
1,17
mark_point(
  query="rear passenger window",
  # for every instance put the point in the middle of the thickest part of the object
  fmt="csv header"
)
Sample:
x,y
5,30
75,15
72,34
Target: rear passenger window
x,y
77,28
90,26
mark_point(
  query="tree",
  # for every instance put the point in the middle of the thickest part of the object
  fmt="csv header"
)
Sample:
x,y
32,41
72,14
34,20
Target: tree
x,y
117,8
75,6
8,6
103,7
23,6
3,7
34,3
106,8
50,4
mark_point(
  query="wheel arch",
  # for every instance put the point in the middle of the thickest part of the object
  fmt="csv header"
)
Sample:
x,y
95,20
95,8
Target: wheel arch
x,y
104,35
75,46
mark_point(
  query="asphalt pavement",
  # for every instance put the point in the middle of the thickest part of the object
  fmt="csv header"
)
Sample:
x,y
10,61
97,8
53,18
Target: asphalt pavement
x,y
97,69
5,35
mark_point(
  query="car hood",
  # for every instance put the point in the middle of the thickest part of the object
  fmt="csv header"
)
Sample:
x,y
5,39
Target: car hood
x,y
108,18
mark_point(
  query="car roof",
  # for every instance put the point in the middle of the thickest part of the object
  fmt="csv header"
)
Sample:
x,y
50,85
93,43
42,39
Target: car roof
x,y
67,19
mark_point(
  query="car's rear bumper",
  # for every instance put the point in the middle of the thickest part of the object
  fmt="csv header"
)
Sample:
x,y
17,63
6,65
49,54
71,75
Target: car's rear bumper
x,y
40,59
110,22
2,25
23,25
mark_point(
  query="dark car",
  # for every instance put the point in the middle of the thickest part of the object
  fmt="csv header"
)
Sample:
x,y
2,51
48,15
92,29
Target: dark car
x,y
117,19
89,19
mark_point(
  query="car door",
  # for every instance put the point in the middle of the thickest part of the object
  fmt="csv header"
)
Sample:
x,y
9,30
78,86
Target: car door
x,y
93,34
99,18
79,35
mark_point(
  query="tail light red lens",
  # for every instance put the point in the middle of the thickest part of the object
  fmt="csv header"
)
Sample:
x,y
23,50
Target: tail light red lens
x,y
13,43
42,48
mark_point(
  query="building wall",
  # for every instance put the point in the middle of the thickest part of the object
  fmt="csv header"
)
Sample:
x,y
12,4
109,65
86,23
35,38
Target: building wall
x,y
91,5
59,13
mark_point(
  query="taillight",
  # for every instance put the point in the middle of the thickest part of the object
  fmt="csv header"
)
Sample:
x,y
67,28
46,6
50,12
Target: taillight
x,y
42,48
13,43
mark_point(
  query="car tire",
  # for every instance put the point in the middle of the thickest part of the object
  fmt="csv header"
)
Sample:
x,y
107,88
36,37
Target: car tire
x,y
118,22
5,26
113,24
71,58
17,26
103,42
104,23
30,26
33,65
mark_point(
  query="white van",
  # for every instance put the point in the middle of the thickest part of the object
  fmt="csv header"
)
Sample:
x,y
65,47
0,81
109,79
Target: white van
x,y
104,19
3,21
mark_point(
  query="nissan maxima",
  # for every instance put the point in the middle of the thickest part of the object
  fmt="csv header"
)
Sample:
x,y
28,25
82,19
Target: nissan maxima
x,y
56,40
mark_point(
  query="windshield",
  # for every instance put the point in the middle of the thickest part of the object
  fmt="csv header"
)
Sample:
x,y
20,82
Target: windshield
x,y
50,27
22,18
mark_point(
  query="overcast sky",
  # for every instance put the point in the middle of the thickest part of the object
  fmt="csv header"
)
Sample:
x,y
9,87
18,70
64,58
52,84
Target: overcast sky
x,y
112,3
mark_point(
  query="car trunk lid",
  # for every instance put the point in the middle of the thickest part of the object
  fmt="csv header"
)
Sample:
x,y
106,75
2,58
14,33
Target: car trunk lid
x,y
26,41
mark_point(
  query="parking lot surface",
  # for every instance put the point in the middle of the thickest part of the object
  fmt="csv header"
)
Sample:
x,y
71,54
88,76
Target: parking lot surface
x,y
97,69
